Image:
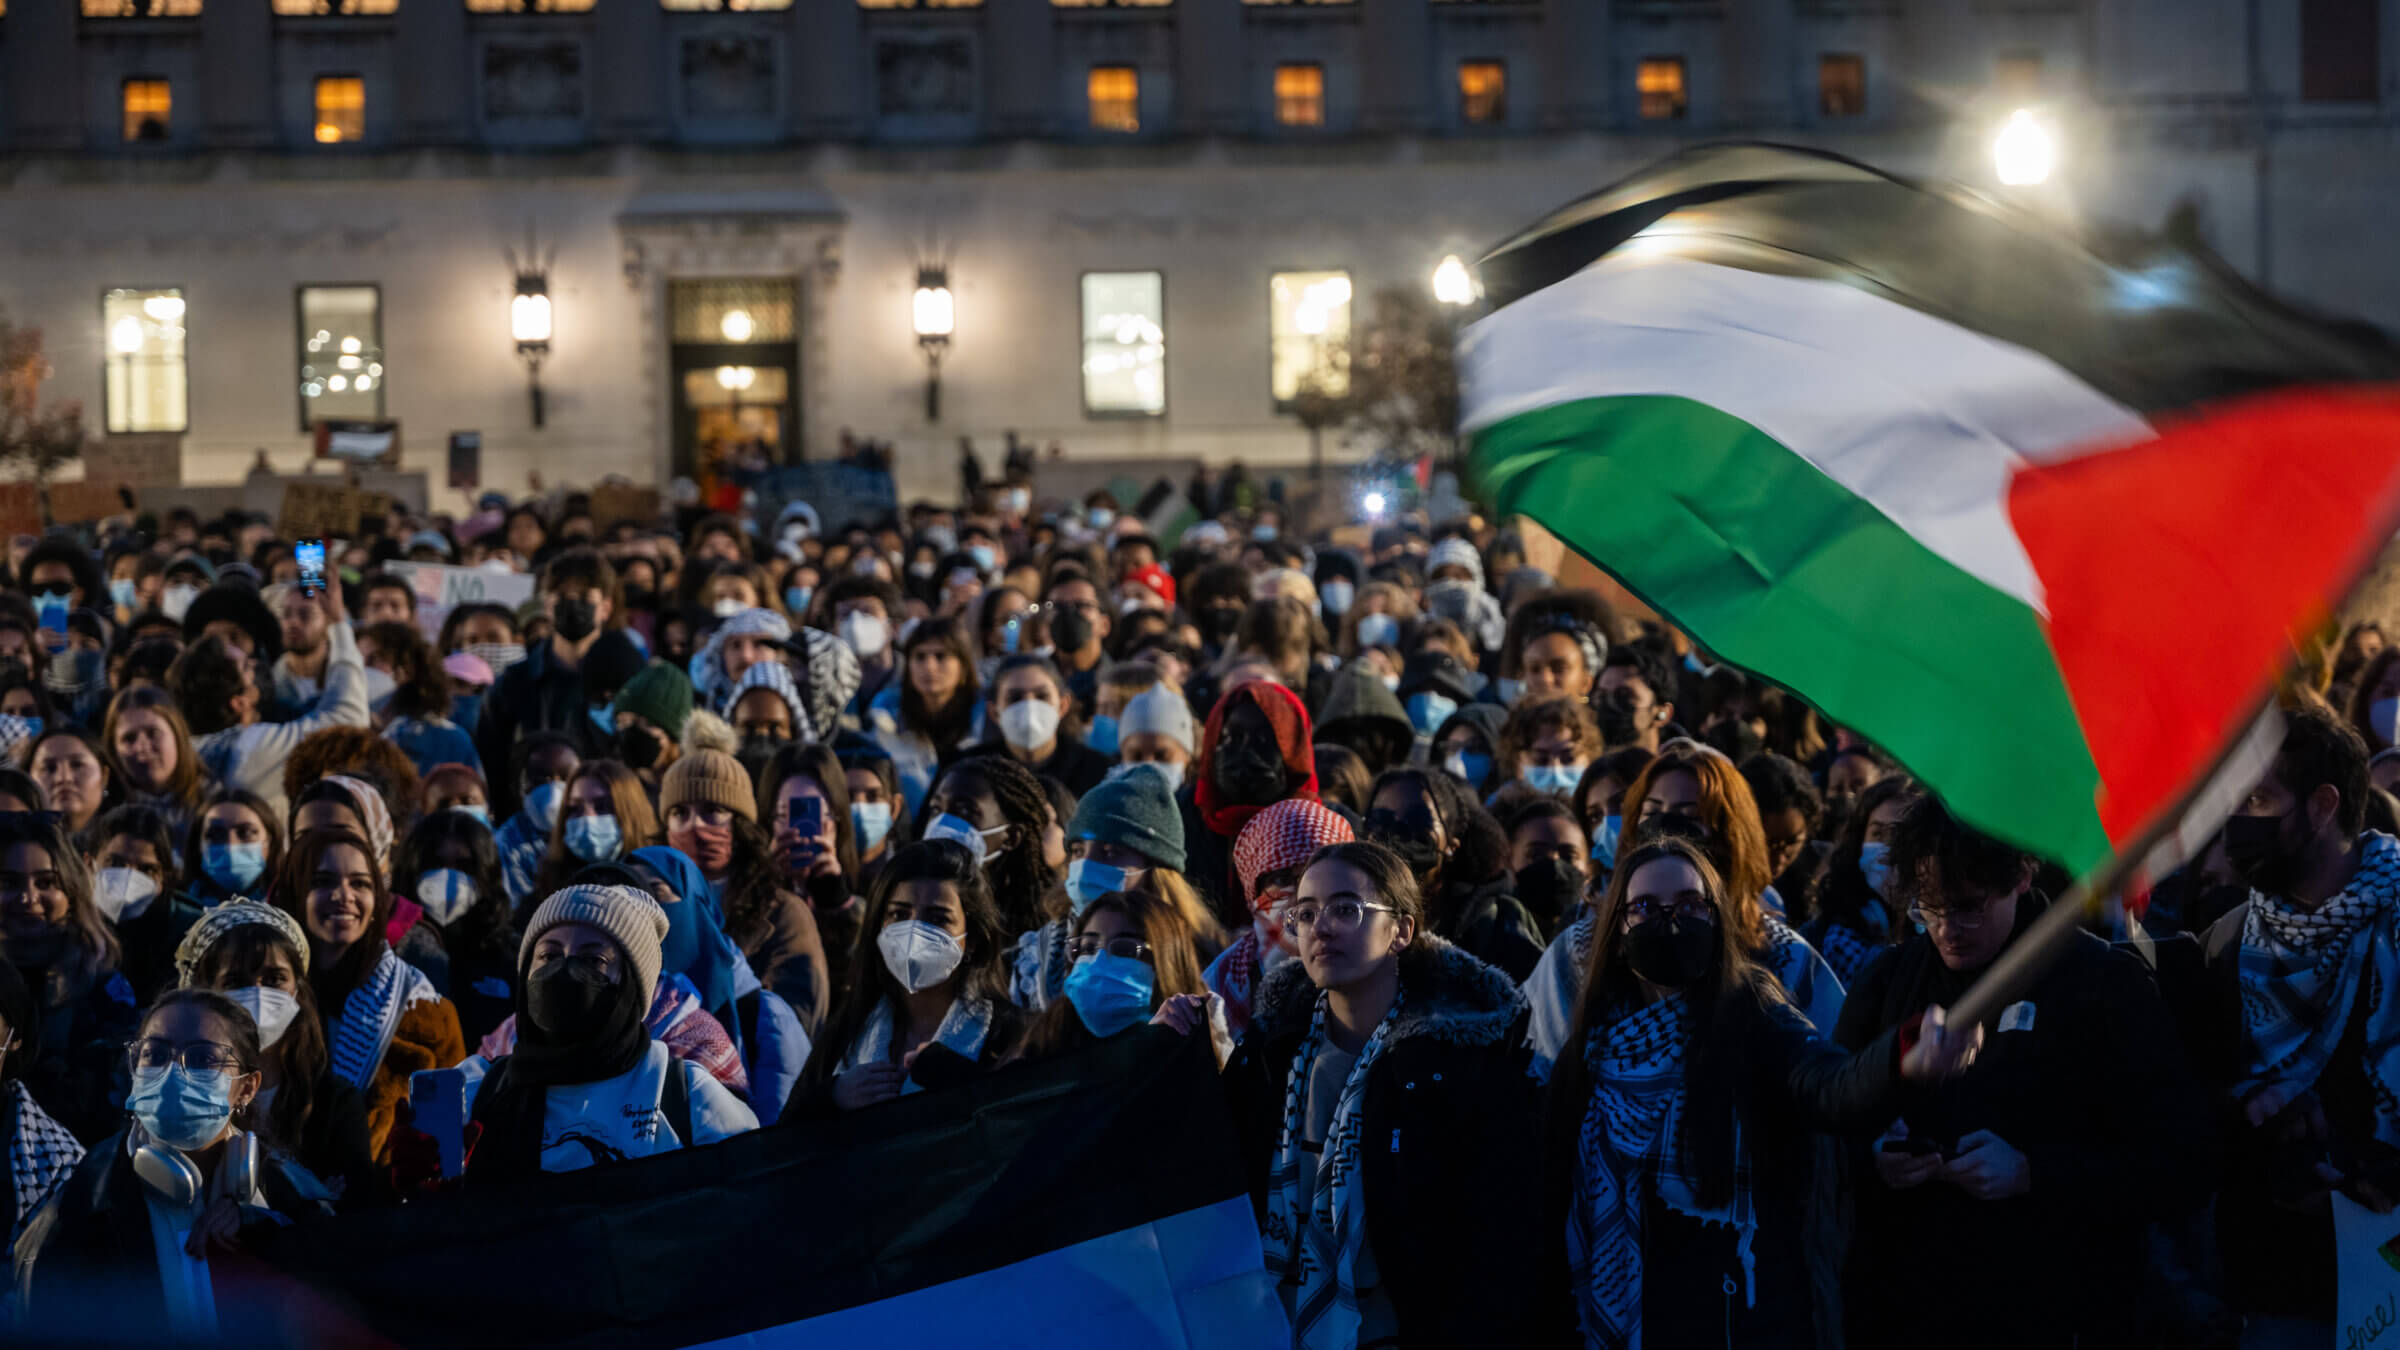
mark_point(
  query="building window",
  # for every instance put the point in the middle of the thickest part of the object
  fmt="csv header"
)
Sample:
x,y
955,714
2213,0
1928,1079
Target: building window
x,y
149,109
1308,334
2338,42
528,6
141,9
297,8
341,352
145,375
1124,344
724,4
1482,92
341,109
1659,81
920,4
1300,95
1115,93
2017,74
1841,84
1110,4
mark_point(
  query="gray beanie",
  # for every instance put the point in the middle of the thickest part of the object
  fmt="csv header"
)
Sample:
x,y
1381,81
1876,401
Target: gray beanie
x,y
1132,807
632,918
1159,711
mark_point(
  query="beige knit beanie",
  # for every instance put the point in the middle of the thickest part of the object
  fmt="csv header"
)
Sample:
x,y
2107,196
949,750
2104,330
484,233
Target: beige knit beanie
x,y
632,918
709,776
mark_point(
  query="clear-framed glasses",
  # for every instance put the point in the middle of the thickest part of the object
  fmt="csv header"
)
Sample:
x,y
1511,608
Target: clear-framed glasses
x,y
1126,945
1336,915
1961,918
155,1053
1644,908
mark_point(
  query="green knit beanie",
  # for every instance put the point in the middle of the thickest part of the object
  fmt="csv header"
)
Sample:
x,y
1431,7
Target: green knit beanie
x,y
1133,807
659,695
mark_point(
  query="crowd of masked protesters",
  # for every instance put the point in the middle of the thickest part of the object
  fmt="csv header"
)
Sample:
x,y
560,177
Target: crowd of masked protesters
x,y
1566,986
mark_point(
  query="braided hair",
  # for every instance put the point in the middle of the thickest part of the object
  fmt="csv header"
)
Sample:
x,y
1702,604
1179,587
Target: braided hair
x,y
1019,875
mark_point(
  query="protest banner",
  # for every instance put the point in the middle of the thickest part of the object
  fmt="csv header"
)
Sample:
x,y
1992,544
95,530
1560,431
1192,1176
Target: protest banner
x,y
359,440
80,503
612,502
320,509
842,494
1047,1222
440,589
2366,1248
145,459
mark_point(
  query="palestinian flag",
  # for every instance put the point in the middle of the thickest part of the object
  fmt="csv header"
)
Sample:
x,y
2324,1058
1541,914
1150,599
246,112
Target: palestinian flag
x,y
2039,515
1094,1200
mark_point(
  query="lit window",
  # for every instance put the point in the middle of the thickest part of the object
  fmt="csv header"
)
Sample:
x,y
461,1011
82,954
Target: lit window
x,y
1308,334
142,332
141,9
528,6
341,352
1125,344
1659,81
1482,92
1841,84
302,7
341,109
1300,95
2018,74
1115,93
149,110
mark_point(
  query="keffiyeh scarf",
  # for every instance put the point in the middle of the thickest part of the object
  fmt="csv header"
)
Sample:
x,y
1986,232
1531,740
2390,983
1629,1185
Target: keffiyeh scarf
x,y
372,1013
711,686
1038,976
2303,972
40,1154
1314,1236
1631,1148
963,1029
1849,948
373,814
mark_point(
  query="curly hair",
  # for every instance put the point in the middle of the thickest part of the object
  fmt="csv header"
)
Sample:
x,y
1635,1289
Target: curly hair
x,y
361,754
420,687
206,680
1529,721
1020,877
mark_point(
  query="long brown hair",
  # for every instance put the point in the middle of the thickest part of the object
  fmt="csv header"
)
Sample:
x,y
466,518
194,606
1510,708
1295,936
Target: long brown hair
x,y
235,961
335,982
817,763
91,953
945,727
1174,965
195,838
1737,842
183,785
637,823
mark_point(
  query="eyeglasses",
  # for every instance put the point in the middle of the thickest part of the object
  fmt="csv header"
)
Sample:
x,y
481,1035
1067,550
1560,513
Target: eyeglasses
x,y
198,1057
1127,946
1644,908
1963,918
1336,915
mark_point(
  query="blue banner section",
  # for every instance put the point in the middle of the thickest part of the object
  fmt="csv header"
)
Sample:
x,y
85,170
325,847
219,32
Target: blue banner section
x,y
843,494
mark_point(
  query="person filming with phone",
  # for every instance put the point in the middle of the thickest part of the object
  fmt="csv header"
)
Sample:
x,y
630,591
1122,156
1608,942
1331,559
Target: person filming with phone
x,y
2078,1124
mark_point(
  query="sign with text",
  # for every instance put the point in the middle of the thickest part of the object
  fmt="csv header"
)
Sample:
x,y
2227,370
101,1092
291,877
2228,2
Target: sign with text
x,y
441,589
612,502
315,509
2366,1259
143,459
359,440
466,459
84,502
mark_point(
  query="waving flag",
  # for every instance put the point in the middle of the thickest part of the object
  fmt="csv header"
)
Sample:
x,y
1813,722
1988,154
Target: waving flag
x,y
2037,516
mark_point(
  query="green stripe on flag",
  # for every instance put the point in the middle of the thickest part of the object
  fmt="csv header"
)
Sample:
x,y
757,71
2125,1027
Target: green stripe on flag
x,y
1780,570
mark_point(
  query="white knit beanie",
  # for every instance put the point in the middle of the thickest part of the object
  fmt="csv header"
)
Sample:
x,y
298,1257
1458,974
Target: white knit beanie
x,y
1159,711
632,918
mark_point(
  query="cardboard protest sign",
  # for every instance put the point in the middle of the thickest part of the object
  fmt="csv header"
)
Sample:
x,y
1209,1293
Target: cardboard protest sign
x,y
84,502
612,502
314,509
441,589
2366,1255
145,459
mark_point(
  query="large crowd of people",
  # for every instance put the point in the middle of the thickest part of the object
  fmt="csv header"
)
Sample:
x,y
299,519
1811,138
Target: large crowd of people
x,y
1567,988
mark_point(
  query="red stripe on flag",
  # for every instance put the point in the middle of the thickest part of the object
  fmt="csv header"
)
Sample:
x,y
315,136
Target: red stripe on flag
x,y
2177,571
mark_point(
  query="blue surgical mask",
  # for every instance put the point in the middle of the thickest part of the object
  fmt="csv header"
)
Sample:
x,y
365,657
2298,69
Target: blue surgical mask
x,y
1875,864
541,804
796,598
1088,881
1101,517
1511,691
964,834
594,838
234,867
120,592
1428,710
183,1109
1334,597
1111,993
1556,779
33,727
604,717
1378,630
870,821
1471,766
985,556
1604,844
476,811
1103,736
1263,533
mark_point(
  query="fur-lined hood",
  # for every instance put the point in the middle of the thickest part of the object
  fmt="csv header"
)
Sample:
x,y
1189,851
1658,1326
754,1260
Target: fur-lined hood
x,y
1446,995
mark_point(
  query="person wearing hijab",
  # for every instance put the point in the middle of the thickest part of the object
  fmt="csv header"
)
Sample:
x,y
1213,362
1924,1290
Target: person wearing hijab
x,y
706,968
1254,752
741,641
586,1082
1267,860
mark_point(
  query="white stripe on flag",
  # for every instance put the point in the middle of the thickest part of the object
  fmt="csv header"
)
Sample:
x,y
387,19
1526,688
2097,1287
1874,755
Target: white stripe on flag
x,y
1191,1281
1923,419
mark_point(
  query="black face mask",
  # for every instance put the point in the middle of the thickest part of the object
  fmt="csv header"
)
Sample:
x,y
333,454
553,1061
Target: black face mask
x,y
574,617
637,747
1417,850
1248,774
640,597
1671,951
1549,888
1615,711
568,999
1070,630
2255,846
1217,622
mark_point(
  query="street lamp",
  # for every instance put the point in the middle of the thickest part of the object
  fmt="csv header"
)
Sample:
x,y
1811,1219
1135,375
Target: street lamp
x,y
2024,152
529,320
1453,284
934,314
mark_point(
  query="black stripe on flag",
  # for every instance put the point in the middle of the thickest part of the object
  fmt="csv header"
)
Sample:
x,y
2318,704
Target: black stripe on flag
x,y
2154,322
796,1221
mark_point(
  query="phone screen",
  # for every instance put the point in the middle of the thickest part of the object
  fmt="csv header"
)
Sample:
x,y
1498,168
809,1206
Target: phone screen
x,y
310,554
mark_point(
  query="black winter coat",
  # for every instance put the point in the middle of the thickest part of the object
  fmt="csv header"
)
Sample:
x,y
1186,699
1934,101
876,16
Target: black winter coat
x,y
1492,925
535,694
1449,1145
2091,1084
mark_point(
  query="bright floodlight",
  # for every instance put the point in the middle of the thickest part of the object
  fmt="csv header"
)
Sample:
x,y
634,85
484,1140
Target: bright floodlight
x,y
2024,153
1452,285
125,336
933,312
529,319
737,325
1373,502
